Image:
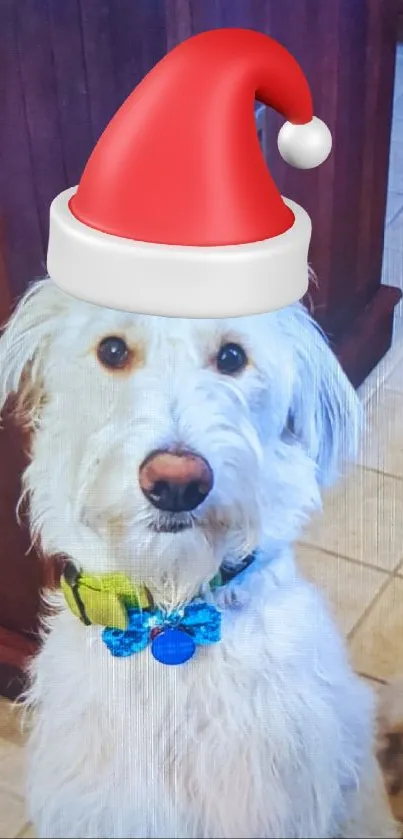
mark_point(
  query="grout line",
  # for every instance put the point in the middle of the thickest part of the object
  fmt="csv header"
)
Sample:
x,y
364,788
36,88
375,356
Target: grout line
x,y
23,830
376,471
397,214
372,678
336,555
9,791
381,472
394,217
368,608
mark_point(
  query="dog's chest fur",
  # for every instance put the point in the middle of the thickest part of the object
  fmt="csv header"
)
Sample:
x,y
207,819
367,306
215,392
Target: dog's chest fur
x,y
129,747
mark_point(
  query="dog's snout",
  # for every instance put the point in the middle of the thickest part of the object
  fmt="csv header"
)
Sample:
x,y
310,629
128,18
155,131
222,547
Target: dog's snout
x,y
175,482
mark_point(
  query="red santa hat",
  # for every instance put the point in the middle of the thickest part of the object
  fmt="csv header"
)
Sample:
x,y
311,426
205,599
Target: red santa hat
x,y
176,212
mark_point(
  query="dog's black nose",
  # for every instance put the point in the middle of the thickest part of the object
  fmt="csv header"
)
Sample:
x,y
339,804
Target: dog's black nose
x,y
175,482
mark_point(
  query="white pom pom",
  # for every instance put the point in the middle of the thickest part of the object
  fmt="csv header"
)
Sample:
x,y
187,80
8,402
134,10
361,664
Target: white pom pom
x,y
305,146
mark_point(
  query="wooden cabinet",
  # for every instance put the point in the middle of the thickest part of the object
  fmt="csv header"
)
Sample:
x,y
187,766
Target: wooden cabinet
x,y
66,66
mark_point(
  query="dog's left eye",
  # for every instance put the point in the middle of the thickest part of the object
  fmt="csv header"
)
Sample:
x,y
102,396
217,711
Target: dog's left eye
x,y
113,352
231,359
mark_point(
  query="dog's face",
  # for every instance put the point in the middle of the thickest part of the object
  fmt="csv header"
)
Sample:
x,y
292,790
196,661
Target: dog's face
x,y
165,446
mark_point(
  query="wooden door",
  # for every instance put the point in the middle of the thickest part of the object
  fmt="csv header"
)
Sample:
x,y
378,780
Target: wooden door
x,y
65,67
347,50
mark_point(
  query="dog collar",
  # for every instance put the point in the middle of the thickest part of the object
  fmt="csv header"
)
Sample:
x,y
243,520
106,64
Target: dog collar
x,y
132,621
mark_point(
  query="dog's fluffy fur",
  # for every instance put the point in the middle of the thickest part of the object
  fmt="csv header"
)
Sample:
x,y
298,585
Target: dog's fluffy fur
x,y
266,734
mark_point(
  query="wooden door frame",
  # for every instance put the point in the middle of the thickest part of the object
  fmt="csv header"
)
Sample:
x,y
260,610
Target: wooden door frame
x,y
15,649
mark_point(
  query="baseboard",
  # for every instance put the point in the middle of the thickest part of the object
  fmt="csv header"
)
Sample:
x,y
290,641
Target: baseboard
x,y
15,652
369,337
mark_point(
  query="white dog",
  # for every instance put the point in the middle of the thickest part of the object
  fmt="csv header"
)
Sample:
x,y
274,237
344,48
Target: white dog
x,y
168,449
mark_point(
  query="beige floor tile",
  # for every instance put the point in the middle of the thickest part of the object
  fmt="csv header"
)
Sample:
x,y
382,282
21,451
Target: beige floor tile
x,y
12,814
396,803
377,643
395,199
382,446
395,380
10,722
362,520
349,587
398,88
28,833
12,767
388,364
394,228
392,271
396,165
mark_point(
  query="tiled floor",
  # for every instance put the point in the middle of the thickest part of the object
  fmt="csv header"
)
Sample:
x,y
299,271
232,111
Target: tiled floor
x,y
354,551
13,819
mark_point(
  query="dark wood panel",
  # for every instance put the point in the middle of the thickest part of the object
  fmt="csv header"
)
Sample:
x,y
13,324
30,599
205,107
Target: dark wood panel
x,y
100,72
310,32
15,652
353,51
349,147
38,81
179,20
369,337
121,42
66,44
24,254
5,291
133,53
21,572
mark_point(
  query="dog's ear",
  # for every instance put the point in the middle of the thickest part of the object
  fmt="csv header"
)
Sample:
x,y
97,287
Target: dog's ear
x,y
325,413
23,346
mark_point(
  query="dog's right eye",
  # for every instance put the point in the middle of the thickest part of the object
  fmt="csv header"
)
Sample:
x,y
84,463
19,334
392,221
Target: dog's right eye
x,y
231,359
113,352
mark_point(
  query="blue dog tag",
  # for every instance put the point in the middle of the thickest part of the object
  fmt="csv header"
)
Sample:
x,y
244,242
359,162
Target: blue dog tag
x,y
173,646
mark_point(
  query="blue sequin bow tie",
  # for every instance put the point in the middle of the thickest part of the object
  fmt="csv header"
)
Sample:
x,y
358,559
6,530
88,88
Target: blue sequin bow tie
x,y
173,636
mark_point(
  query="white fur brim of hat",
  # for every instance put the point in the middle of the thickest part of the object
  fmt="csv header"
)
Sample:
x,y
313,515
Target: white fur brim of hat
x,y
174,280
